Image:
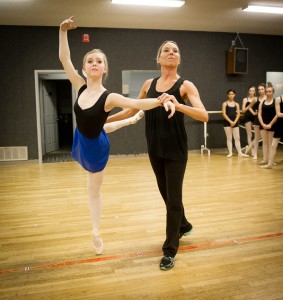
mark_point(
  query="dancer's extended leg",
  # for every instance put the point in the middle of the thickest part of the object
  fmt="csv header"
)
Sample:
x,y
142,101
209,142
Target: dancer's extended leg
x,y
113,126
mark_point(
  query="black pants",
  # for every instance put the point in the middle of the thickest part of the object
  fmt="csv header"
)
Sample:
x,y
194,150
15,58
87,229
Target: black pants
x,y
169,175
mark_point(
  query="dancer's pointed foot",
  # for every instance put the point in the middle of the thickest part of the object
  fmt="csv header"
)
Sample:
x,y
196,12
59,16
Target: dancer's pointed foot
x,y
248,148
243,155
230,155
139,115
97,245
97,242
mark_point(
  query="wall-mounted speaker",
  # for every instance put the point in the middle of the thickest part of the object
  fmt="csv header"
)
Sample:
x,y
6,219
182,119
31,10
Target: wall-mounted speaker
x,y
237,61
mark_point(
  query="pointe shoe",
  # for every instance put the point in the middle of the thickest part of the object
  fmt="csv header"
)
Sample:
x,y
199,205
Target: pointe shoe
x,y
229,155
98,241
243,155
139,115
247,150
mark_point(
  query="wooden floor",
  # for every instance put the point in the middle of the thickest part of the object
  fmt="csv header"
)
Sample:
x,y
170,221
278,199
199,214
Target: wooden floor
x,y
234,252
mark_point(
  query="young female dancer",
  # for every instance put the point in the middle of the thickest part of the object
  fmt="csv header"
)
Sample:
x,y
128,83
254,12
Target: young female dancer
x,y
267,118
94,102
231,115
248,102
278,132
256,125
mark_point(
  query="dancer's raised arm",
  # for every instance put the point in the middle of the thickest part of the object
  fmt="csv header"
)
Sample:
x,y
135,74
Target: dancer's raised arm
x,y
65,55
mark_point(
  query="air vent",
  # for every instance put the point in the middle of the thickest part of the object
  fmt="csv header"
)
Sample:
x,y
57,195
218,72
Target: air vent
x,y
13,153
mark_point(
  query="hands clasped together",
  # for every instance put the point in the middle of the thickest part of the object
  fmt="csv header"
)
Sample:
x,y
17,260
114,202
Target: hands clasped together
x,y
266,126
169,102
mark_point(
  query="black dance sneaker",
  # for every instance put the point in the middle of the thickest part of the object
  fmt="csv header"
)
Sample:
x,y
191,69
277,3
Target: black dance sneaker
x,y
166,263
187,231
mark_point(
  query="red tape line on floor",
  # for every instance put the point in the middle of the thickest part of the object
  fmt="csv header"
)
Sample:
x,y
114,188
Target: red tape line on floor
x,y
144,253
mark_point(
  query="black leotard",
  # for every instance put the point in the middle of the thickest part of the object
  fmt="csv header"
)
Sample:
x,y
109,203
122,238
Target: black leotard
x,y
268,112
231,112
91,146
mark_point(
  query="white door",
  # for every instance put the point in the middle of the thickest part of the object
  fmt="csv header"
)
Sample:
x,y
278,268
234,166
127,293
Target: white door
x,y
50,116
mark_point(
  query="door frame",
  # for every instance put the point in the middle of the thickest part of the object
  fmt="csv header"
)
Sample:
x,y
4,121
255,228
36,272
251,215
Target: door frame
x,y
39,76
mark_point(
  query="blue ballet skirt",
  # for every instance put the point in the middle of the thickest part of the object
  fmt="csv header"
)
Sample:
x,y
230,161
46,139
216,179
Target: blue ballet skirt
x,y
91,153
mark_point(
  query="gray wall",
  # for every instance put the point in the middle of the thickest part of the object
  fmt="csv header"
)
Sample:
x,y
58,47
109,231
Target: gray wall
x,y
25,49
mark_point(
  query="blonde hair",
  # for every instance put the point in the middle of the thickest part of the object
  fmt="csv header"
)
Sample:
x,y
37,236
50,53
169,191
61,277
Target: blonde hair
x,y
104,60
160,49
270,85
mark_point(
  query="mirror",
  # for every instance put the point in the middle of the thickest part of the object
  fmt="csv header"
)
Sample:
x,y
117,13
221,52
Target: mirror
x,y
132,81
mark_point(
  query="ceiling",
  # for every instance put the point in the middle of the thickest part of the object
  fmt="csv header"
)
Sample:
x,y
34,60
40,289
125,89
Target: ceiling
x,y
195,15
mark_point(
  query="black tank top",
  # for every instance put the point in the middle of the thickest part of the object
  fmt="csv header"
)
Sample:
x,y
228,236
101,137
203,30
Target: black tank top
x,y
90,121
166,138
231,112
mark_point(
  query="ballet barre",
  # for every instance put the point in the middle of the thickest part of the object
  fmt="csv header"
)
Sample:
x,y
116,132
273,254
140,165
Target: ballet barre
x,y
204,146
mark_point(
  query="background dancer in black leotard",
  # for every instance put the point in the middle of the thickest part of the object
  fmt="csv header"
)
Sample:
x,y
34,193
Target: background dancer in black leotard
x,y
248,102
231,115
91,145
256,124
167,142
278,132
267,118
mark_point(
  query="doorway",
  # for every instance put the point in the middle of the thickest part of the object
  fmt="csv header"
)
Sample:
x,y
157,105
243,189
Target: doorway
x,y
55,118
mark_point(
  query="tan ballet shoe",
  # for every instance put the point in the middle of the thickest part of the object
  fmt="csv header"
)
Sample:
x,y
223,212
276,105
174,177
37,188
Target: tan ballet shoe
x,y
243,155
98,245
139,115
248,148
268,166
97,242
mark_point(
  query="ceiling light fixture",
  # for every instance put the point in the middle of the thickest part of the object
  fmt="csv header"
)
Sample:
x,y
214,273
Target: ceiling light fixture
x,y
264,9
165,3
